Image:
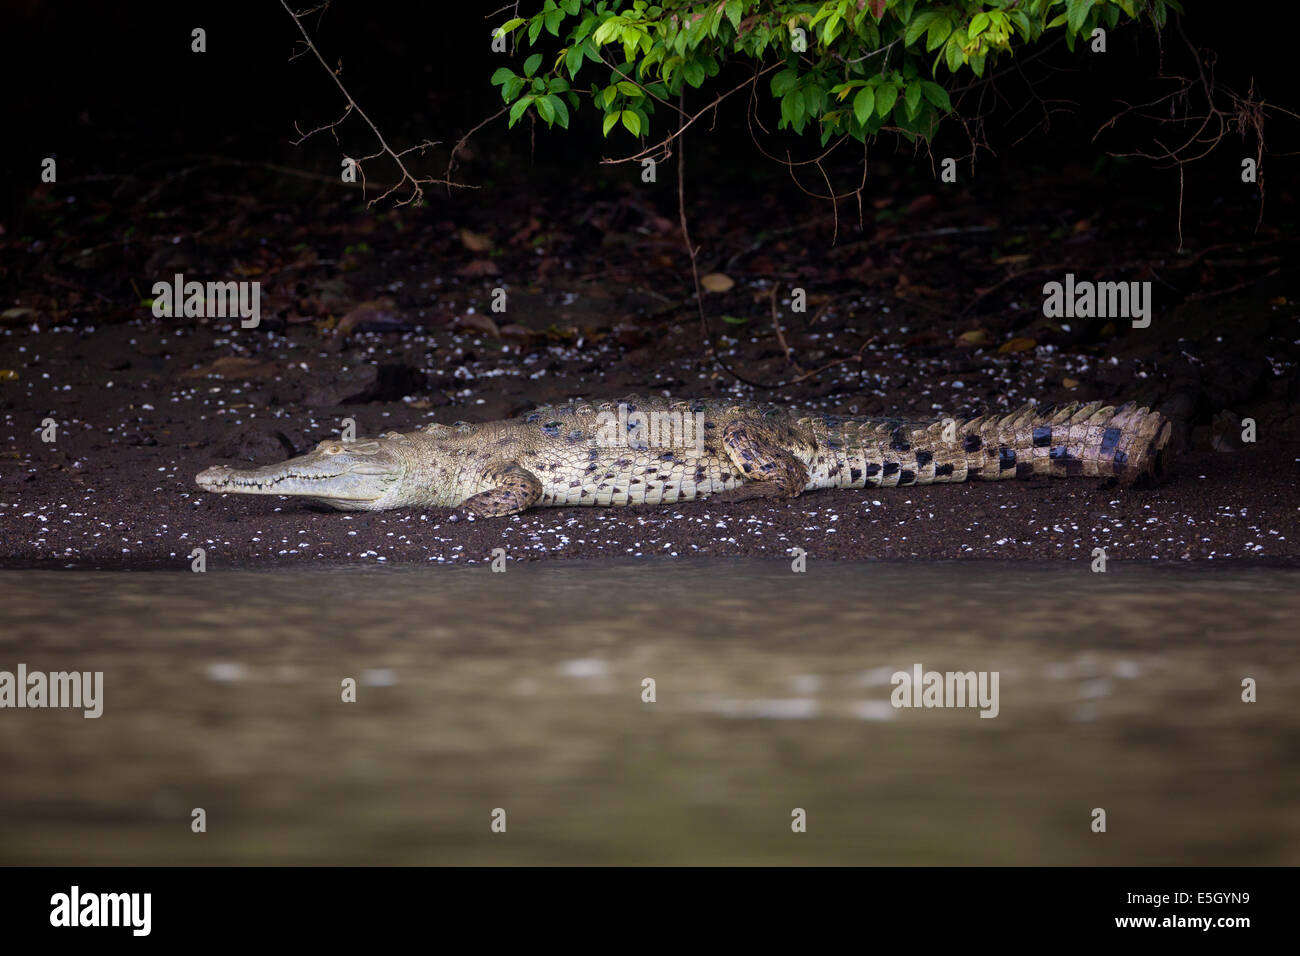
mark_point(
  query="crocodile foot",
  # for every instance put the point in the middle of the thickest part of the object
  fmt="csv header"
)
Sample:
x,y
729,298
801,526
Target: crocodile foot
x,y
759,460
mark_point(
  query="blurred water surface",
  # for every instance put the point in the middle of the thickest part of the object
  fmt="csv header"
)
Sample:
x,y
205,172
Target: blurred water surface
x,y
523,691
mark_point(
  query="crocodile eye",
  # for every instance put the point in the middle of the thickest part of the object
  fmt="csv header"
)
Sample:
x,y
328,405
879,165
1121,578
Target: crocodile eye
x,y
333,448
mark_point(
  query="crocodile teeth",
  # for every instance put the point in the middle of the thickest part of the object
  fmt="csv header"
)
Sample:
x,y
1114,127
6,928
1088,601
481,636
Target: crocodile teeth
x,y
267,482
216,479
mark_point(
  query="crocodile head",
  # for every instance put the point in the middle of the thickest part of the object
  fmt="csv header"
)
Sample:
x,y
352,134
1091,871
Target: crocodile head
x,y
364,475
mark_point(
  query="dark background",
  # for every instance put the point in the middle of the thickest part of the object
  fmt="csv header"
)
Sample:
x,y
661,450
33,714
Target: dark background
x,y
111,87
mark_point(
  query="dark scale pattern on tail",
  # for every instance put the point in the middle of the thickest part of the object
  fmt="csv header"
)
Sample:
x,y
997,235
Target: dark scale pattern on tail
x,y
1092,440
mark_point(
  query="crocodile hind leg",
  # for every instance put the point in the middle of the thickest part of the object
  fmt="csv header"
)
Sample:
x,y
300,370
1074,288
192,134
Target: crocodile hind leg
x,y
516,489
760,459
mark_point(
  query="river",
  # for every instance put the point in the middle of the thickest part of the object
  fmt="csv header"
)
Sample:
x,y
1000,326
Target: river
x,y
523,699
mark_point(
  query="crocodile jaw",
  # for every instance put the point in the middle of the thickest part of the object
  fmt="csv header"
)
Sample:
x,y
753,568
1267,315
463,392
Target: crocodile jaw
x,y
352,476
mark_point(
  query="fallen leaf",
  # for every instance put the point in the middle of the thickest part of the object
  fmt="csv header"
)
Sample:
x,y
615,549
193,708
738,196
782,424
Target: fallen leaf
x,y
922,203
376,315
1018,345
521,237
1070,382
8,375
1277,300
1013,259
974,338
479,322
716,282
475,241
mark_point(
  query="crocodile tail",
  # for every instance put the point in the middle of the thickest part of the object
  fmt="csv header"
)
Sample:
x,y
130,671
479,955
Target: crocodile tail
x,y
1095,440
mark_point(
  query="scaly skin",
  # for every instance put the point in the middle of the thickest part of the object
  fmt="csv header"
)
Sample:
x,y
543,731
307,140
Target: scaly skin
x,y
585,454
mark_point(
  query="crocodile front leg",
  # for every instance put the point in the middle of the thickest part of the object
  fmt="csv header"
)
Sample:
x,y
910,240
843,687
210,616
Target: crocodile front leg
x,y
759,459
516,489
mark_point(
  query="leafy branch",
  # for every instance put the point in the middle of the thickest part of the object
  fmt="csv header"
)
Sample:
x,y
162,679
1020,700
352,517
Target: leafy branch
x,y
849,68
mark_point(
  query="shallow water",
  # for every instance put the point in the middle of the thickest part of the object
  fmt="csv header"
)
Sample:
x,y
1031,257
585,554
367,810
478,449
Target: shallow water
x,y
523,691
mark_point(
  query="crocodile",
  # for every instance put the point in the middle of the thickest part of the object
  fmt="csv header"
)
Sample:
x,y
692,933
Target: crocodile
x,y
658,451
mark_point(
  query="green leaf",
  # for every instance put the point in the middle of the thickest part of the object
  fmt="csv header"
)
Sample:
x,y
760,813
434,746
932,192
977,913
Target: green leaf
x,y
532,63
912,98
953,53
920,23
784,82
573,60
501,75
1077,11
545,110
629,89
937,95
794,110
608,30
517,110
978,24
733,13
812,99
832,28
561,111
864,103
938,32
632,122
886,97
610,120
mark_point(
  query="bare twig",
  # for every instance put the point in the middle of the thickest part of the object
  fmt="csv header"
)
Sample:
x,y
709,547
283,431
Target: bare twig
x,y
780,336
1220,111
416,183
